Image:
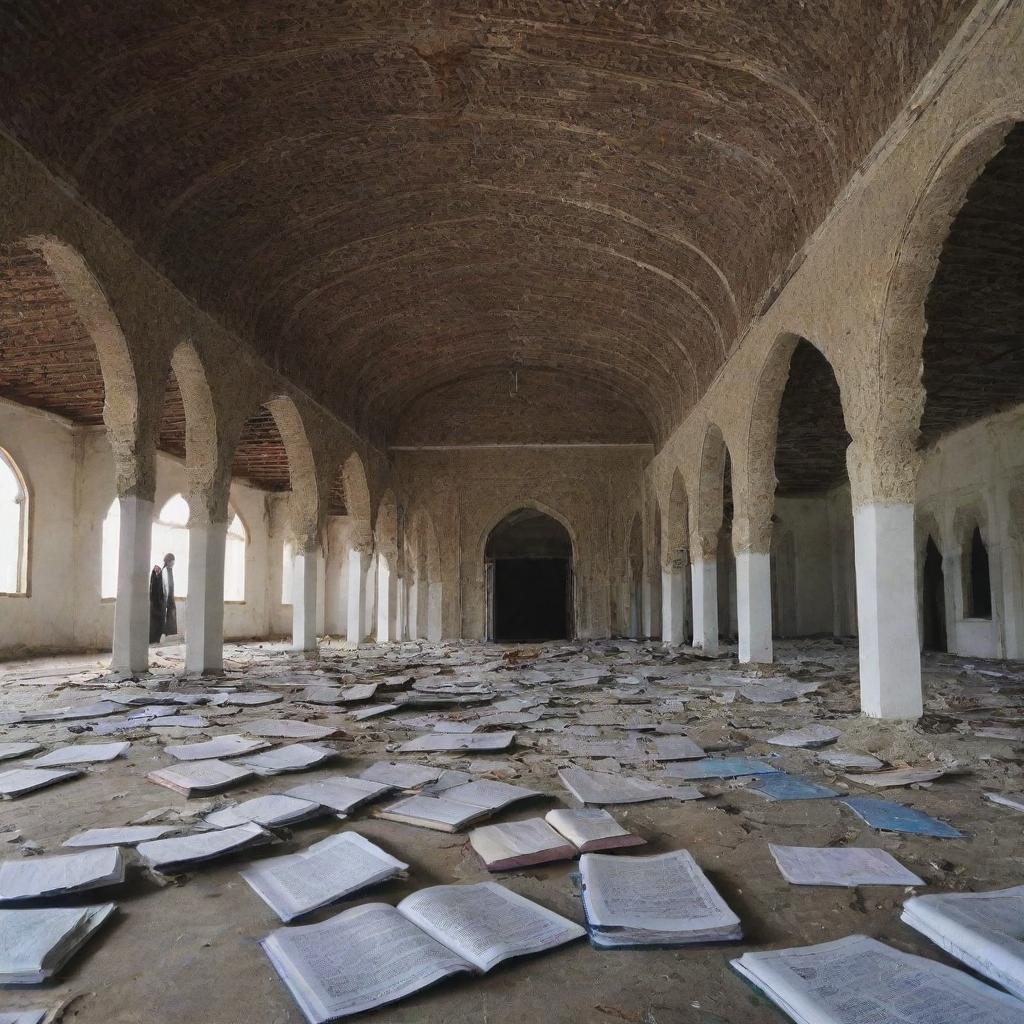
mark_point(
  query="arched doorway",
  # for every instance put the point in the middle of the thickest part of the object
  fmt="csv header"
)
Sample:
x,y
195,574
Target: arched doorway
x,y
933,600
529,561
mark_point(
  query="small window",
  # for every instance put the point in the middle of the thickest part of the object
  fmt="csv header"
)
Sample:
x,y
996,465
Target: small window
x,y
13,528
234,559
979,588
287,566
111,537
170,537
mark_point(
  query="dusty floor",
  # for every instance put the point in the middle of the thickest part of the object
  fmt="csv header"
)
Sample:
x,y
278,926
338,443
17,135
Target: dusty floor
x,y
187,951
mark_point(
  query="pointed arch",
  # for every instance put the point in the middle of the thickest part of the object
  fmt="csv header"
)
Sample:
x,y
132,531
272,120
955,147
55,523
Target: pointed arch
x,y
711,484
675,522
188,394
902,325
304,505
352,480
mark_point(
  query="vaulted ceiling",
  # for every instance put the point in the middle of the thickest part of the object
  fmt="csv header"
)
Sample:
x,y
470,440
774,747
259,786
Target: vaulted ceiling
x,y
386,197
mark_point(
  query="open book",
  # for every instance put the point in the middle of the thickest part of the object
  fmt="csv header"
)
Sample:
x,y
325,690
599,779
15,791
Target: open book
x,y
271,811
458,807
60,875
35,944
180,852
328,871
376,954
518,844
340,793
983,929
858,980
591,829
665,900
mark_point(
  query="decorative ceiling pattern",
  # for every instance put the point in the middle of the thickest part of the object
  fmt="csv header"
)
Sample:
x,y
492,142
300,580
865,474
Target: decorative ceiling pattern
x,y
388,197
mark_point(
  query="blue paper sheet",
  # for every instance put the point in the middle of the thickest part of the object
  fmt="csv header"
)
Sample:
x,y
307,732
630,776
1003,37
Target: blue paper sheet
x,y
780,786
719,768
891,817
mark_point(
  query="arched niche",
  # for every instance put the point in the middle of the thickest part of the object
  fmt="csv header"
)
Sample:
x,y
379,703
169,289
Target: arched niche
x,y
529,565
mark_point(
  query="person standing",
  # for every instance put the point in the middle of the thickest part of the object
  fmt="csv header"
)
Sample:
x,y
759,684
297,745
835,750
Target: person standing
x,y
157,605
170,625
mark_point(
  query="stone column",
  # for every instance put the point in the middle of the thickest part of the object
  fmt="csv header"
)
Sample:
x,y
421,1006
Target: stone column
x,y
754,606
435,609
305,586
204,609
131,612
673,603
413,616
890,659
387,600
705,605
358,561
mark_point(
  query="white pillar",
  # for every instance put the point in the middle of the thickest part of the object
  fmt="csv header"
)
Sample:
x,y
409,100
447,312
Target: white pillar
x,y
401,608
321,594
357,564
434,594
131,612
890,658
387,602
413,624
705,605
673,604
305,586
204,609
754,606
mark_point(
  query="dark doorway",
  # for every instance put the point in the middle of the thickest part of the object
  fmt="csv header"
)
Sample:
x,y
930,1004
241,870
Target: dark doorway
x,y
934,600
529,560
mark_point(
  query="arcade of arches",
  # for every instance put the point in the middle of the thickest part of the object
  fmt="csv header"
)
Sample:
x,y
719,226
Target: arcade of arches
x,y
496,327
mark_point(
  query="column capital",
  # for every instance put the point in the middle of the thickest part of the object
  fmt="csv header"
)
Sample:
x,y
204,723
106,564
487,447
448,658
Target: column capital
x,y
704,547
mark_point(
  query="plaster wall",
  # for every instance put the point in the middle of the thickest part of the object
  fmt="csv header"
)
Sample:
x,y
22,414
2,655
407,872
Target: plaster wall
x,y
70,474
594,491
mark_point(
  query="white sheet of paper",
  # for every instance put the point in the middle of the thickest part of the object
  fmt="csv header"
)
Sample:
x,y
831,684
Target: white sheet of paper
x,y
228,745
79,753
842,865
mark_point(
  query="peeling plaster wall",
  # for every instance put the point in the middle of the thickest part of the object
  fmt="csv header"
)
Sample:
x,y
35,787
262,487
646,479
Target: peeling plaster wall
x,y
594,491
70,474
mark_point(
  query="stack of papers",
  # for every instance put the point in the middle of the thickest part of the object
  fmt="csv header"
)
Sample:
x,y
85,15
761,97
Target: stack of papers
x,y
327,872
376,954
288,729
848,866
478,742
434,812
270,811
809,736
35,944
17,782
229,745
719,768
79,753
61,875
401,775
200,776
663,901
892,817
985,930
296,757
861,979
603,788
128,835
181,852
9,751
340,794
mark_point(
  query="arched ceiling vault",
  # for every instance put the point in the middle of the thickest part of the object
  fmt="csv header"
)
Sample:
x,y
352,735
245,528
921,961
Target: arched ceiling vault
x,y
386,196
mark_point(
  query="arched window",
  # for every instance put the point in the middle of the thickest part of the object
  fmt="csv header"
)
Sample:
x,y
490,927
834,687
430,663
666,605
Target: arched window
x,y
978,592
13,528
234,559
287,565
109,548
170,537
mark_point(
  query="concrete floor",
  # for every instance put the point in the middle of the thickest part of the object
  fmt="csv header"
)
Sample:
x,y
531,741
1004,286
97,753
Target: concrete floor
x,y
188,950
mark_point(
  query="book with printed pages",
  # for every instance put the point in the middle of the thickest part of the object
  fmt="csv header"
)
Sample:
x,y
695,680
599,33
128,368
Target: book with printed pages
x,y
376,954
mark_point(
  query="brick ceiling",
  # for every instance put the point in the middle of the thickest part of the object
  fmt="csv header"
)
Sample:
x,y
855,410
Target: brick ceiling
x,y
974,348
385,197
